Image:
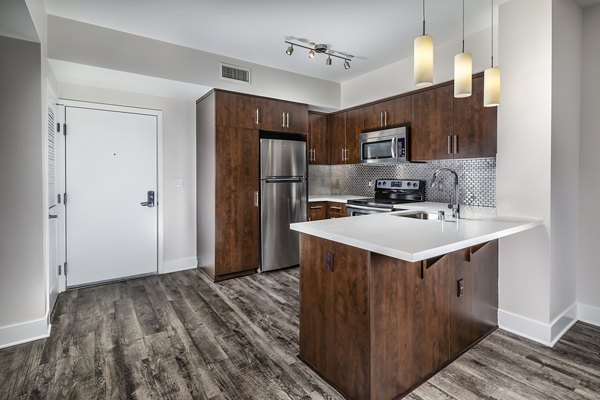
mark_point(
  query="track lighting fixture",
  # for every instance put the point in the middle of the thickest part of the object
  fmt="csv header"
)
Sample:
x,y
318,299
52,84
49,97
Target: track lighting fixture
x,y
491,77
321,49
423,58
463,67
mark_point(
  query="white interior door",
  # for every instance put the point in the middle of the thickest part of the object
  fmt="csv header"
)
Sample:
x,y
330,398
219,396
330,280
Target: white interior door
x,y
111,166
55,210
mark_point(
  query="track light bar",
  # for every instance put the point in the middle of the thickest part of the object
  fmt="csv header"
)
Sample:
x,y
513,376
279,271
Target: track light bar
x,y
321,49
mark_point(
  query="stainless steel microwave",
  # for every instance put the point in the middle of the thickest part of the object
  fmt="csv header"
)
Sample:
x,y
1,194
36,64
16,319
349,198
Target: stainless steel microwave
x,y
389,146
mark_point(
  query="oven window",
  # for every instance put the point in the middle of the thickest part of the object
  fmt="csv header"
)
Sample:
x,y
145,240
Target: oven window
x,y
377,150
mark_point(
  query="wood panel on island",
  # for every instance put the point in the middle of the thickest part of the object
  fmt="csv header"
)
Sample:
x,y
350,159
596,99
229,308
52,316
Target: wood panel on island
x,y
375,327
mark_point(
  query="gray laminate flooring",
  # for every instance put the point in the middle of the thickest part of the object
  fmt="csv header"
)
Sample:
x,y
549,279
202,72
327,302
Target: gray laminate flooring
x,y
180,336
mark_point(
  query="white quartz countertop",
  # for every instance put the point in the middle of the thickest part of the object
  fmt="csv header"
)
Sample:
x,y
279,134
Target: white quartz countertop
x,y
413,239
337,198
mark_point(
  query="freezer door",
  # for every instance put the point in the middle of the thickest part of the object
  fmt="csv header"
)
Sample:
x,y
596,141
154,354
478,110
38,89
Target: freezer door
x,y
282,158
282,203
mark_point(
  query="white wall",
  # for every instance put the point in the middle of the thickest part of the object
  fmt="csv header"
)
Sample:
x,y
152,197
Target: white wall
x,y
566,127
93,45
397,78
588,274
179,162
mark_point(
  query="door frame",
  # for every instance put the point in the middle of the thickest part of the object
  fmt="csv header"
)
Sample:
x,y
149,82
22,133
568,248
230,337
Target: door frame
x,y
64,103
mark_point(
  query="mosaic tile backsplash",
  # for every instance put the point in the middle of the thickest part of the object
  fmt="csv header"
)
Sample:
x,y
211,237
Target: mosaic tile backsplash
x,y
477,179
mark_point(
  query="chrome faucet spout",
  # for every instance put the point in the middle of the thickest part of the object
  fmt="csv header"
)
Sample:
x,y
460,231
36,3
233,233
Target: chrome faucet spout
x,y
454,204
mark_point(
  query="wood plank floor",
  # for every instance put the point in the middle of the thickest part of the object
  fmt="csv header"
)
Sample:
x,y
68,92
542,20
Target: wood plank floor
x,y
180,336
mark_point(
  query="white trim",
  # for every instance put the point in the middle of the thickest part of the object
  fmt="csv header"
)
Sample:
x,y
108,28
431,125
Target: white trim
x,y
180,264
546,334
159,158
24,332
588,314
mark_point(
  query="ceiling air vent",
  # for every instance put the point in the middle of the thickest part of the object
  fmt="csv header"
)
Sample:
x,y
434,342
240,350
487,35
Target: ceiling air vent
x,y
233,73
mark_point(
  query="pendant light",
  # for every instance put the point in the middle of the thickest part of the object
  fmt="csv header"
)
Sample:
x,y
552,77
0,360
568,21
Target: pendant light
x,y
463,67
423,57
491,77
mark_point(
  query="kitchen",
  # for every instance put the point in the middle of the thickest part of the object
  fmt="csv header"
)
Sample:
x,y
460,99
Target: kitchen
x,y
520,176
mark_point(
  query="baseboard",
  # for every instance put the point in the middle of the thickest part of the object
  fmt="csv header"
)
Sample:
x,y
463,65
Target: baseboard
x,y
179,264
588,314
546,334
24,332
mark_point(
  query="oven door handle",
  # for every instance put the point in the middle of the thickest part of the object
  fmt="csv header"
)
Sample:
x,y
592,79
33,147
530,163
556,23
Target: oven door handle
x,y
368,208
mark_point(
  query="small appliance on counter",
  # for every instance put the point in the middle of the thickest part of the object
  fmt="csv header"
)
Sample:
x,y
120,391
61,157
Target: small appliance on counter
x,y
283,198
388,193
388,146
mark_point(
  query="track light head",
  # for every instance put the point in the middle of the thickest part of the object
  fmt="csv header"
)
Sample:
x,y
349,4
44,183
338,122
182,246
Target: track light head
x,y
311,54
347,64
328,61
290,50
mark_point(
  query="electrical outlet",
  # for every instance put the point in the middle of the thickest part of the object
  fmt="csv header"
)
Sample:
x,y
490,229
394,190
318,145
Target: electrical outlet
x,y
178,182
329,261
460,288
370,183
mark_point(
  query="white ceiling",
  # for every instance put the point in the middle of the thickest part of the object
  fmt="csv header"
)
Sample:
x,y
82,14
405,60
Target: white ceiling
x,y
377,32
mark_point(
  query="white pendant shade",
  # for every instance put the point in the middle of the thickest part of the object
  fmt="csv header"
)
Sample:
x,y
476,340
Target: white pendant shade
x,y
491,87
423,61
463,75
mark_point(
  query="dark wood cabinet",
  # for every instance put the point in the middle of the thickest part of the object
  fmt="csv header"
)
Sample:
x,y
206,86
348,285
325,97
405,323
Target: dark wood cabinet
x,y
354,127
318,139
317,210
282,116
445,127
432,124
388,113
236,110
390,323
237,240
344,131
336,210
475,126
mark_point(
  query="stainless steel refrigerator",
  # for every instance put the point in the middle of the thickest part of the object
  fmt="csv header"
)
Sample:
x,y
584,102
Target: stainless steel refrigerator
x,y
283,197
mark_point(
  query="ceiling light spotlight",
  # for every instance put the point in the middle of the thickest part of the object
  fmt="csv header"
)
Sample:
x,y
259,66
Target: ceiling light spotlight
x,y
347,64
311,54
290,50
328,61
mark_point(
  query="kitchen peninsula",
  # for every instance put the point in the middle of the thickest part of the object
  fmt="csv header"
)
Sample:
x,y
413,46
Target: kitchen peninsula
x,y
387,300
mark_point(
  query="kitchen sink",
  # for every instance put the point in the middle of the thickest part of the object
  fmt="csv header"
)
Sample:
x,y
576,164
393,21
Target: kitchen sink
x,y
419,215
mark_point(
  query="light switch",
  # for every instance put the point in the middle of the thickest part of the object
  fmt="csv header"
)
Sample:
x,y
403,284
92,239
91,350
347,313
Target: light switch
x,y
178,182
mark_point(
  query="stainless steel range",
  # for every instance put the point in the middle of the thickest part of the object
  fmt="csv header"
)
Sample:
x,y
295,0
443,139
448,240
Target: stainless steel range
x,y
388,193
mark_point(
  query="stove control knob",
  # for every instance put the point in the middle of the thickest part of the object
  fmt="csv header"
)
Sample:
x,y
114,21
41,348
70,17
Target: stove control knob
x,y
415,184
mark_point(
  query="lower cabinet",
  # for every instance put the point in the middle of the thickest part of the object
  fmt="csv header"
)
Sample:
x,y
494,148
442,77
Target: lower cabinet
x,y
317,211
390,323
336,210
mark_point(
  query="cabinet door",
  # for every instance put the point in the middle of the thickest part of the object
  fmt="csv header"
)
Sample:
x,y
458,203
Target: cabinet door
x,y
317,211
388,113
296,118
336,210
354,127
318,139
237,216
337,136
475,298
474,125
235,110
275,115
432,124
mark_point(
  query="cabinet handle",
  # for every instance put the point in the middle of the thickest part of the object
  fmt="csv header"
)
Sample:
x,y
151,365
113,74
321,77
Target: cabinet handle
x,y
455,144
335,208
381,119
257,117
316,207
287,120
283,120
449,145
256,199
315,155
385,118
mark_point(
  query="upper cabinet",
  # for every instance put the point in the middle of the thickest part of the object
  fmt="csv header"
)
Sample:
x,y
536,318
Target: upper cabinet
x,y
444,127
388,113
250,112
318,139
344,130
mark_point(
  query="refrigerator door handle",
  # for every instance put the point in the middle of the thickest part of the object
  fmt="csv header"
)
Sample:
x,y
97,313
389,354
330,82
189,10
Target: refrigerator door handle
x,y
285,179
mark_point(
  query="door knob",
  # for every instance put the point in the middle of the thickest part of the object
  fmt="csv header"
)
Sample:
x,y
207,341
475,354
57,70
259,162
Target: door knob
x,y
150,201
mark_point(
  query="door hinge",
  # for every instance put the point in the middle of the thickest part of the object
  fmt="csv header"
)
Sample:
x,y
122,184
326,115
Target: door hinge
x,y
65,129
65,199
58,127
59,198
60,270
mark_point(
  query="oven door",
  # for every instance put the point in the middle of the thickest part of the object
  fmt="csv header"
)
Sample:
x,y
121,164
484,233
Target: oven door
x,y
353,210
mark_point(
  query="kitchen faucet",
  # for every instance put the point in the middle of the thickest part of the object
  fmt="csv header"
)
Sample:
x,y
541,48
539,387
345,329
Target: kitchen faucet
x,y
454,206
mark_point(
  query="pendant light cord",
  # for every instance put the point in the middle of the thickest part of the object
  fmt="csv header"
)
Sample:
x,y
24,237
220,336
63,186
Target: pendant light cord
x,y
423,17
492,27
463,26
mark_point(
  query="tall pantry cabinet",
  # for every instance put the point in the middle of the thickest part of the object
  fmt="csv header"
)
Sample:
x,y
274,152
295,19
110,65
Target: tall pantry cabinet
x,y
228,129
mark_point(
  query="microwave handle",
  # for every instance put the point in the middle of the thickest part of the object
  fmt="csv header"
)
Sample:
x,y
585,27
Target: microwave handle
x,y
394,147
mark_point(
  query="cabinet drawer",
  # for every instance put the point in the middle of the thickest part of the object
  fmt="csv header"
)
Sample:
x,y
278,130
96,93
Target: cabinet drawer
x,y
317,211
336,210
